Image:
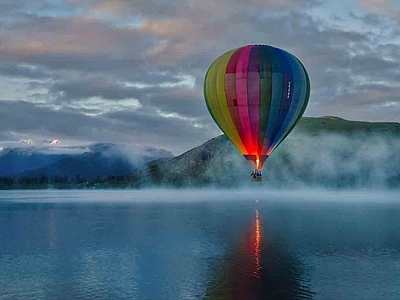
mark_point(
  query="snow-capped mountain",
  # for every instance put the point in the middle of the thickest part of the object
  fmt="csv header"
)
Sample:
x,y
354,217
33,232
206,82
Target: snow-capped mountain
x,y
88,161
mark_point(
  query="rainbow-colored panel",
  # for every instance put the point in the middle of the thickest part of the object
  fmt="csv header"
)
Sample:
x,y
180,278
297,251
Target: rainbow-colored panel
x,y
256,94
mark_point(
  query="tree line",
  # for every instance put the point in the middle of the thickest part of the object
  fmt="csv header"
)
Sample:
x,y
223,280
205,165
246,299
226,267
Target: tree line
x,y
62,181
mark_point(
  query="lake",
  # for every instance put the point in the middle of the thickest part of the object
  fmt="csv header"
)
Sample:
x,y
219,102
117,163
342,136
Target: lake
x,y
199,244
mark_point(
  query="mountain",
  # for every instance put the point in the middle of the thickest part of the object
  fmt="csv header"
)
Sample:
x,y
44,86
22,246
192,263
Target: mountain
x,y
327,152
88,165
88,162
17,160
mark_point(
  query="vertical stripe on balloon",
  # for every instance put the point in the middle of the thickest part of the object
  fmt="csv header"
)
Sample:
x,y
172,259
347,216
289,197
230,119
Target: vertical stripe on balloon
x,y
231,96
265,93
216,99
253,95
242,69
220,84
286,97
298,90
277,82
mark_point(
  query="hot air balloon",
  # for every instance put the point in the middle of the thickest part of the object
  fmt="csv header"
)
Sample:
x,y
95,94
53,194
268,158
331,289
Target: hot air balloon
x,y
256,94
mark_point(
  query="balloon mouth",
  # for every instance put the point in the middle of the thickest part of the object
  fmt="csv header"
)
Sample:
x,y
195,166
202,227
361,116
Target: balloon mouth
x,y
258,160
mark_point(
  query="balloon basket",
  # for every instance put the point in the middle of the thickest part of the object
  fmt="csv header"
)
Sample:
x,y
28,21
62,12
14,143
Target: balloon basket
x,y
256,176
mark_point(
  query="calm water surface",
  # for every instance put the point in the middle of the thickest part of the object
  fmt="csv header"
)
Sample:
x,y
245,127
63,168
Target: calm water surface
x,y
199,245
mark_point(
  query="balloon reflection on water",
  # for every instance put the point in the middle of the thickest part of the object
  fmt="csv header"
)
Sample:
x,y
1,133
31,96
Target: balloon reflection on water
x,y
259,266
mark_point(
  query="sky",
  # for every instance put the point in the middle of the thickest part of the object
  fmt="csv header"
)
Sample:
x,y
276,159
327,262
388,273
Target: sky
x,y
131,71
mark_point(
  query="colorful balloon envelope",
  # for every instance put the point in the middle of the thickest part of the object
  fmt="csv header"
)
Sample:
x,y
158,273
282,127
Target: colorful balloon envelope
x,y
256,94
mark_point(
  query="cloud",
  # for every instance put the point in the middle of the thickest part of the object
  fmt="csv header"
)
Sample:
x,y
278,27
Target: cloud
x,y
55,142
382,7
28,142
8,137
139,128
131,64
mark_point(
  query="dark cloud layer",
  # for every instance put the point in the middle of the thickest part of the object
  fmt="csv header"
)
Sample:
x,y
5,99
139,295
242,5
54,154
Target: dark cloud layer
x,y
138,128
125,70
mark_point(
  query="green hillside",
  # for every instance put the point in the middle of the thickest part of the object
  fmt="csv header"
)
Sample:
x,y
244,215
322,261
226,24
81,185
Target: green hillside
x,y
339,125
326,152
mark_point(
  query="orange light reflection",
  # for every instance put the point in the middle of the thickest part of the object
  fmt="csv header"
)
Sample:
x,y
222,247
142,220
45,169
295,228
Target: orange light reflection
x,y
257,245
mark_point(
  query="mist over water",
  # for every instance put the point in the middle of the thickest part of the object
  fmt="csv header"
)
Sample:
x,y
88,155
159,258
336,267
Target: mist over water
x,y
360,160
193,195
305,160
199,244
